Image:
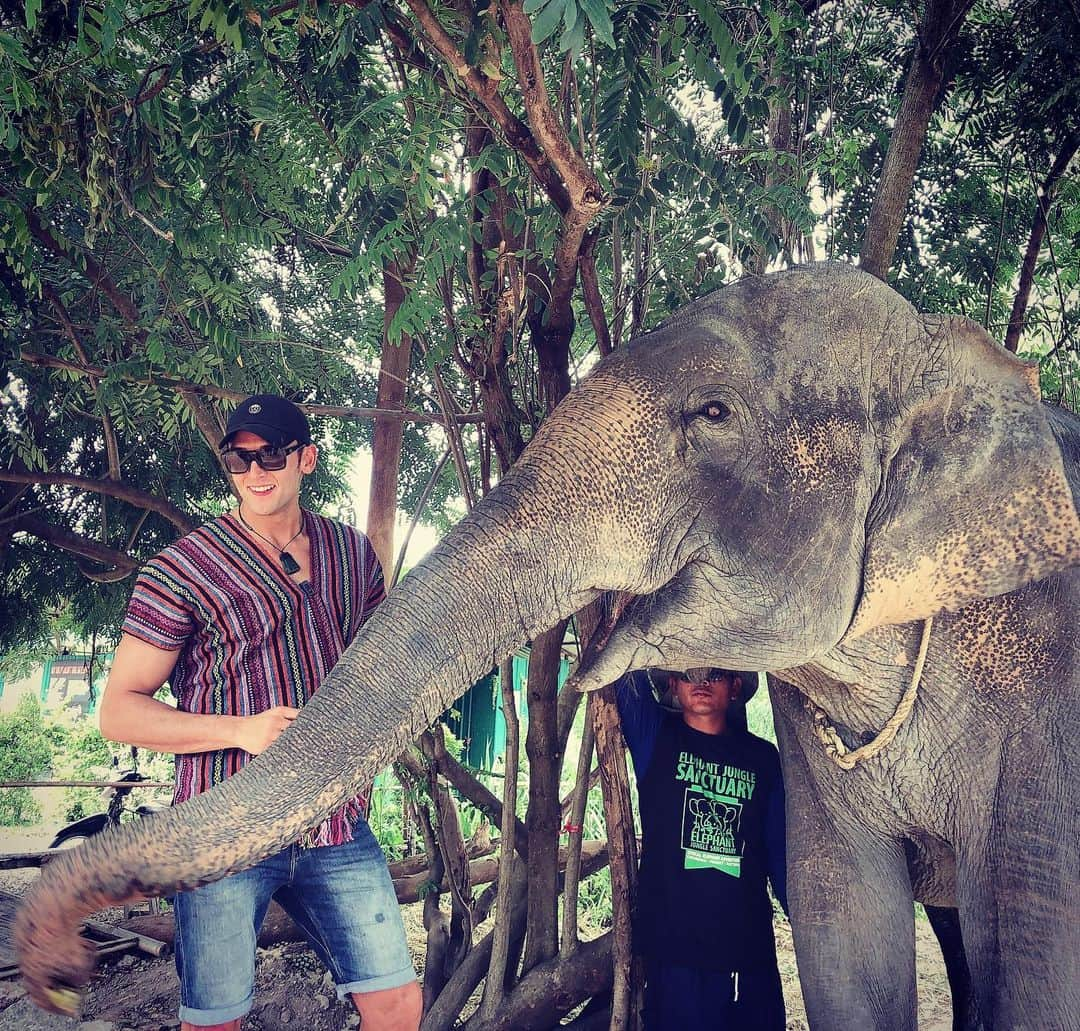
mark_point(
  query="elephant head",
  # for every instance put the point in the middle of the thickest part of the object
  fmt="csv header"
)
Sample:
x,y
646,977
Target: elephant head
x,y
784,465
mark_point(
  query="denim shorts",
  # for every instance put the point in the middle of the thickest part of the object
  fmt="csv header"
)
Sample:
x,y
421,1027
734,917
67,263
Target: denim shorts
x,y
341,895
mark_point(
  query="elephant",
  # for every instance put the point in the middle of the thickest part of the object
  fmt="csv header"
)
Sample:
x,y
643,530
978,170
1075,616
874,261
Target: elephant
x,y
799,474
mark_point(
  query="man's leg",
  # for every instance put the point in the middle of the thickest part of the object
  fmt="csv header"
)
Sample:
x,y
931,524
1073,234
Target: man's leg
x,y
758,1003
679,997
343,898
216,930
392,1009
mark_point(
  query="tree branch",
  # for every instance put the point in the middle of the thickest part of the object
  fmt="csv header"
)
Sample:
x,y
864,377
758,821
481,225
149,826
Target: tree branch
x,y
590,288
224,393
486,90
480,796
94,270
71,542
111,448
1044,197
107,487
582,186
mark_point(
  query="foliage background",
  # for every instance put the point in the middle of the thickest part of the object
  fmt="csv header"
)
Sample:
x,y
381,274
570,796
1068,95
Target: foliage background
x,y
447,212
200,201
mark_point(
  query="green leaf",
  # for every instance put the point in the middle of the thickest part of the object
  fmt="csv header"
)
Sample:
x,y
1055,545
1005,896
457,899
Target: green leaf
x,y
155,349
14,52
547,19
599,14
573,37
33,9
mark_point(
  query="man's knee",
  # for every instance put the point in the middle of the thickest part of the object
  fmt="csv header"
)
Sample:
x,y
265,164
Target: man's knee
x,y
391,1009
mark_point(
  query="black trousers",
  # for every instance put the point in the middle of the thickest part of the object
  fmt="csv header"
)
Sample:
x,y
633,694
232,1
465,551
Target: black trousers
x,y
689,999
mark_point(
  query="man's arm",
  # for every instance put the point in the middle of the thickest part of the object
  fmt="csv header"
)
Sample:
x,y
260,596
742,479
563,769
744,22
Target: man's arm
x,y
130,713
640,715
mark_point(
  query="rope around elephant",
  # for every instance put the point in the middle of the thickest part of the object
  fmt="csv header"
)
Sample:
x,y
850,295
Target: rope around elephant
x,y
830,737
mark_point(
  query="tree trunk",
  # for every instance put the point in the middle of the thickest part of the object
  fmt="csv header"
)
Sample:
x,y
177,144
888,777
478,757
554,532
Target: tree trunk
x,y
455,860
451,1001
553,989
551,328
579,799
486,362
409,887
388,433
436,922
594,627
1043,201
775,172
493,989
619,817
543,818
935,36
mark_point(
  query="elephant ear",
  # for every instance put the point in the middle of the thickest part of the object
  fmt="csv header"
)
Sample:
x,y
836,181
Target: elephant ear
x,y
974,500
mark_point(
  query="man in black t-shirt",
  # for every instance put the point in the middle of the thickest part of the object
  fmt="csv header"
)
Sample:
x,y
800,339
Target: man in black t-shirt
x,y
711,798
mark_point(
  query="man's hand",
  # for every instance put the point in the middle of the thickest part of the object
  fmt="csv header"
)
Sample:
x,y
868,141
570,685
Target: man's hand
x,y
255,734
130,712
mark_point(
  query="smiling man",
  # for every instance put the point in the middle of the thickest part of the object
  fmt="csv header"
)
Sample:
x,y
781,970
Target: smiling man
x,y
711,799
244,618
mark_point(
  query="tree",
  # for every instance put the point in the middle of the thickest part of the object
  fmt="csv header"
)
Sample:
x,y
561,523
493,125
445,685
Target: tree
x,y
24,754
474,200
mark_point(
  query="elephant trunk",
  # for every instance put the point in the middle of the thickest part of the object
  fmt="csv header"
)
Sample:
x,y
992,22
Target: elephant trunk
x,y
504,574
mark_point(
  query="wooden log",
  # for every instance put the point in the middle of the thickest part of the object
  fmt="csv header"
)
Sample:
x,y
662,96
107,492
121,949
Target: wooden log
x,y
551,990
476,847
399,870
482,871
152,946
19,860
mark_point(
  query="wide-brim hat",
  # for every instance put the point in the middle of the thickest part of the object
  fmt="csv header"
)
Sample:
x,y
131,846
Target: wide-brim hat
x,y
748,679
276,419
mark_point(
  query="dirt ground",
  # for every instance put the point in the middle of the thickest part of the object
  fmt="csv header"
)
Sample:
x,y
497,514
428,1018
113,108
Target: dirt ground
x,y
293,992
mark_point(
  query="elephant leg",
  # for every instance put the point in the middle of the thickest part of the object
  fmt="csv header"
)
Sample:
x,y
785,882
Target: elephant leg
x,y
852,914
1019,897
854,931
945,921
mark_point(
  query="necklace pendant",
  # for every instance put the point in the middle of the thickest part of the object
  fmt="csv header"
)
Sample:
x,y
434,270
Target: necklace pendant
x,y
289,564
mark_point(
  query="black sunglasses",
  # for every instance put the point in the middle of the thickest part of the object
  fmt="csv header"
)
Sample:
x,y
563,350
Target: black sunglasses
x,y
238,459
696,676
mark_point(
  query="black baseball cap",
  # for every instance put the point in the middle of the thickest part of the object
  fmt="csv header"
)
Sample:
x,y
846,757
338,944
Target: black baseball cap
x,y
277,420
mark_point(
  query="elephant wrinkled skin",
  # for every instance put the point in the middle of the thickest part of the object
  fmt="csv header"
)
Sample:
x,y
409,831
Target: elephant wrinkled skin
x,y
793,474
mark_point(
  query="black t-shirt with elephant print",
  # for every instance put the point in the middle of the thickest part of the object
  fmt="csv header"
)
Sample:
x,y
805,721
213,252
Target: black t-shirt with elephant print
x,y
709,805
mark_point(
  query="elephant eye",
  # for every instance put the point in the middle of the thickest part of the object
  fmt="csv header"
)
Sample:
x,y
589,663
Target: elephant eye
x,y
714,411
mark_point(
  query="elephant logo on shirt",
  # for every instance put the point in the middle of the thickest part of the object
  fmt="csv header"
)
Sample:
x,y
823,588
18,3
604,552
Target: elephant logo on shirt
x,y
715,816
708,833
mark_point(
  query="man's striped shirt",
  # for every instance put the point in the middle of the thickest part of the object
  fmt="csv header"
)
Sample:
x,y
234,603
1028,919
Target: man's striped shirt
x,y
249,636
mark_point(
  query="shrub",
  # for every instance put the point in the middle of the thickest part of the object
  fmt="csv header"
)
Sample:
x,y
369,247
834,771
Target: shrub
x,y
25,753
81,753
